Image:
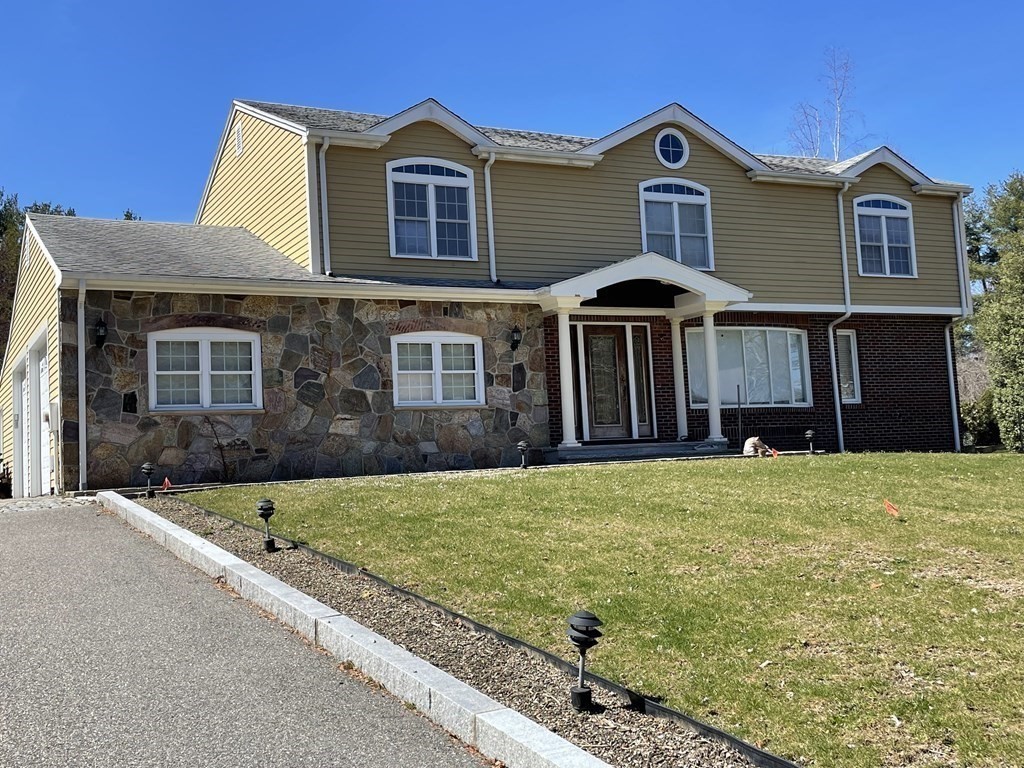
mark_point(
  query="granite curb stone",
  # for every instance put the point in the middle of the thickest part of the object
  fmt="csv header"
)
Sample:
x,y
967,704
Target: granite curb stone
x,y
497,731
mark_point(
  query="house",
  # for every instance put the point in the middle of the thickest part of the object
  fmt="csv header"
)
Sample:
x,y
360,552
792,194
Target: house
x,y
374,294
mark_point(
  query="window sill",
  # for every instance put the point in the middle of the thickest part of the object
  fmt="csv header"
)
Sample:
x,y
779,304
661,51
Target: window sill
x,y
896,277
433,258
205,411
757,407
439,406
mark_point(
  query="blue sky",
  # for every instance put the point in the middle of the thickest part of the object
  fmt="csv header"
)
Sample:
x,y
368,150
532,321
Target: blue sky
x,y
113,104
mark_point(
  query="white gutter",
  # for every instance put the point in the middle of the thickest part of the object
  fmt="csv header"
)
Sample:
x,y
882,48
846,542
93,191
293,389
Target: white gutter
x,y
809,179
964,282
325,226
837,398
540,156
490,218
962,231
82,442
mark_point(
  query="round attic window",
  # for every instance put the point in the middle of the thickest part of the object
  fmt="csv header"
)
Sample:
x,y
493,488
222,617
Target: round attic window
x,y
672,149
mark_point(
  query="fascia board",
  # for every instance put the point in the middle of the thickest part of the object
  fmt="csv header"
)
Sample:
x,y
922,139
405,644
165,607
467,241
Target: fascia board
x,y
350,139
806,179
323,288
674,113
942,189
432,111
280,122
542,156
897,163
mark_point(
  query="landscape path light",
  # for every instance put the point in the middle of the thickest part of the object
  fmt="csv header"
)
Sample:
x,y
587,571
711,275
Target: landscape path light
x,y
265,509
523,447
583,633
809,437
147,470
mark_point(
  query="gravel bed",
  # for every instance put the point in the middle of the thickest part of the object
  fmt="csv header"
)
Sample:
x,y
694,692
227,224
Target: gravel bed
x,y
615,733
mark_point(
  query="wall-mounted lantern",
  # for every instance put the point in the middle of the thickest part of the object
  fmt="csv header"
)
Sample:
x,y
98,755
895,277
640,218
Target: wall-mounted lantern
x,y
515,338
101,333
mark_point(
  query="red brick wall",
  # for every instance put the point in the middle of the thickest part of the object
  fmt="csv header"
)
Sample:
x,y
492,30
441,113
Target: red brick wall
x,y
903,376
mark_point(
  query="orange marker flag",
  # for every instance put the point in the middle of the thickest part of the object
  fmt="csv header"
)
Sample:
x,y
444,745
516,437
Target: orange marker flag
x,y
891,508
775,454
167,483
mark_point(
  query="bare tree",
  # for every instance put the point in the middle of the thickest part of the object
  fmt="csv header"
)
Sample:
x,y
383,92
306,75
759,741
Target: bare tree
x,y
836,117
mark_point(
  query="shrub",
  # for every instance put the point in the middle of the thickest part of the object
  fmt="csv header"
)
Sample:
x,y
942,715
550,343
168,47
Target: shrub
x,y
979,420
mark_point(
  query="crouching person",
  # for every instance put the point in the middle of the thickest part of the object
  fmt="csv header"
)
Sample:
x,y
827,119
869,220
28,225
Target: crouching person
x,y
755,447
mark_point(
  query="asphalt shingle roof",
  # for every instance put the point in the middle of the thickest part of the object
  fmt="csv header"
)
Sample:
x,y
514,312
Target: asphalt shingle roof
x,y
143,248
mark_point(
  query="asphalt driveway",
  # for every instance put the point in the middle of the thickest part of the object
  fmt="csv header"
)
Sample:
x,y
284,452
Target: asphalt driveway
x,y
114,653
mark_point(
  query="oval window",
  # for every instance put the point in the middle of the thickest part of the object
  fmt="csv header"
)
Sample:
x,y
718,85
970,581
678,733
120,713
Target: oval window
x,y
672,149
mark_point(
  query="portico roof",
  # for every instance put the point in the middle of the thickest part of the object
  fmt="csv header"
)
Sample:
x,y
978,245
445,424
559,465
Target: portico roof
x,y
647,266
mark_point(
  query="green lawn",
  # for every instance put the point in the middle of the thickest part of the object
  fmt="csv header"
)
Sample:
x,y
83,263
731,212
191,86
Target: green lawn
x,y
773,598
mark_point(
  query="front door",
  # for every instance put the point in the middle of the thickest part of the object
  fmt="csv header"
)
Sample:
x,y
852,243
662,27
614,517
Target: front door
x,y
604,353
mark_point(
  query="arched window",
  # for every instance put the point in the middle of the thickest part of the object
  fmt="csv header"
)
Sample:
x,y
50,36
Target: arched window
x,y
431,211
885,236
204,368
675,221
438,368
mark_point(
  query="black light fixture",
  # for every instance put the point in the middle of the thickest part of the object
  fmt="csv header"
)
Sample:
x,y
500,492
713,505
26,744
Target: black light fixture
x,y
147,470
809,437
101,333
515,338
523,447
265,509
583,633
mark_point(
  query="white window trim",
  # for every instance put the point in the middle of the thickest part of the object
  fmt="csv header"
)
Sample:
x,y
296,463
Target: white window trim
x,y
431,182
855,365
806,360
436,339
883,213
657,148
665,198
204,336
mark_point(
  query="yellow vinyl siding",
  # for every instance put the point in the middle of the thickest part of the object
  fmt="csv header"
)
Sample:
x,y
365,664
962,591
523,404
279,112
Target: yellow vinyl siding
x,y
779,242
934,242
357,198
264,188
35,307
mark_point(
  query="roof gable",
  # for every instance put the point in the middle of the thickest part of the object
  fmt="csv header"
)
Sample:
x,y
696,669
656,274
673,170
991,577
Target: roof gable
x,y
435,112
674,113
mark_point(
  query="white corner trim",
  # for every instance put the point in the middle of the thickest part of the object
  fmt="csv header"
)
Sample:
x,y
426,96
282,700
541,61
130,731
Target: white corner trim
x,y
434,112
674,113
312,205
83,440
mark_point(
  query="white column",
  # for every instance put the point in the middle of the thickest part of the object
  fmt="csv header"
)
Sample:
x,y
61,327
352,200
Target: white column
x,y
714,394
565,382
677,378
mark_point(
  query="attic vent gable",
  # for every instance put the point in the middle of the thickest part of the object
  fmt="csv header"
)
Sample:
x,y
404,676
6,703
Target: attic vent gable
x,y
238,139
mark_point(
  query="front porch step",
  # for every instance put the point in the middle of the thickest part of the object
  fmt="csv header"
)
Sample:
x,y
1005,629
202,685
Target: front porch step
x,y
633,451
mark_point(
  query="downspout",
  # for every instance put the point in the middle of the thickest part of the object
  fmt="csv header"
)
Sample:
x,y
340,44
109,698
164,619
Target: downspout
x,y
82,442
490,218
837,398
325,226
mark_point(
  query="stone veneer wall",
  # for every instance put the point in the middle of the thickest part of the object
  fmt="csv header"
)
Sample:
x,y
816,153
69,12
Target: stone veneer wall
x,y
327,391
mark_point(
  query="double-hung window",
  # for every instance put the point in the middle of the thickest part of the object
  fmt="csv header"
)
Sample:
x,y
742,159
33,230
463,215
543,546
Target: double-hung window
x,y
761,366
431,209
675,221
885,236
849,375
438,369
204,368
